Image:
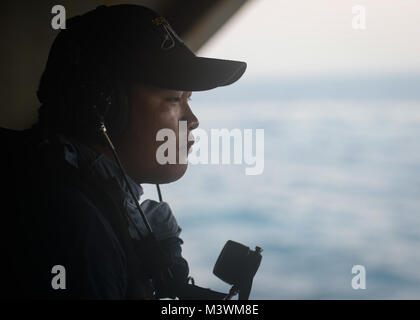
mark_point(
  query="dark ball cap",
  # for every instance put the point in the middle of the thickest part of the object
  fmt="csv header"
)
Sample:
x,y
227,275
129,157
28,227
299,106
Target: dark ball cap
x,y
135,44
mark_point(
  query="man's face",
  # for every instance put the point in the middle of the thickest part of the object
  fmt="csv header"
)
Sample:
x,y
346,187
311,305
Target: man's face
x,y
153,109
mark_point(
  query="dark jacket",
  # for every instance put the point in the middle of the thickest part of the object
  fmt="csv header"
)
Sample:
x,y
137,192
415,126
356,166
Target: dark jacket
x,y
56,213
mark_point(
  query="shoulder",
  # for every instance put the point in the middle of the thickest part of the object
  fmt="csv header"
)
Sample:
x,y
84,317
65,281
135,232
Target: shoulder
x,y
75,210
83,241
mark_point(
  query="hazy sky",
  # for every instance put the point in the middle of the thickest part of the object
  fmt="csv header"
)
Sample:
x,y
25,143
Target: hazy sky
x,y
340,185
278,37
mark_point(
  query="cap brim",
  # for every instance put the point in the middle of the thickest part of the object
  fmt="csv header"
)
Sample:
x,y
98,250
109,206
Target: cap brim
x,y
189,73
208,73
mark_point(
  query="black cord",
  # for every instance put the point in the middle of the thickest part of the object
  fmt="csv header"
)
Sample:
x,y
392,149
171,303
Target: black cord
x,y
143,215
159,193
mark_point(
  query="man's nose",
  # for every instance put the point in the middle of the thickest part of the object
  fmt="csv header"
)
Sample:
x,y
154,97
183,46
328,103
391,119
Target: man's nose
x,y
192,120
193,123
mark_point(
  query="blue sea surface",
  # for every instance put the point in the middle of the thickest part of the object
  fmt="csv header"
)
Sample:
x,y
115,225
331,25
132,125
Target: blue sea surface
x,y
340,187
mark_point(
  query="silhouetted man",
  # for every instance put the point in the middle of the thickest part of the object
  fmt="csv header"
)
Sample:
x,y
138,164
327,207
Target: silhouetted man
x,y
114,78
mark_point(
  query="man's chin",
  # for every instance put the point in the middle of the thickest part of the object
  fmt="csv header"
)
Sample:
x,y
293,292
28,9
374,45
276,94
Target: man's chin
x,y
168,173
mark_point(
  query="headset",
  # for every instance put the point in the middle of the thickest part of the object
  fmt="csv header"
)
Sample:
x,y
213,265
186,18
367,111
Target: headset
x,y
105,104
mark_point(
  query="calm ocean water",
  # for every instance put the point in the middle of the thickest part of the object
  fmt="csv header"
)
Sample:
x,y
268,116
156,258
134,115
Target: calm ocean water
x,y
340,187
